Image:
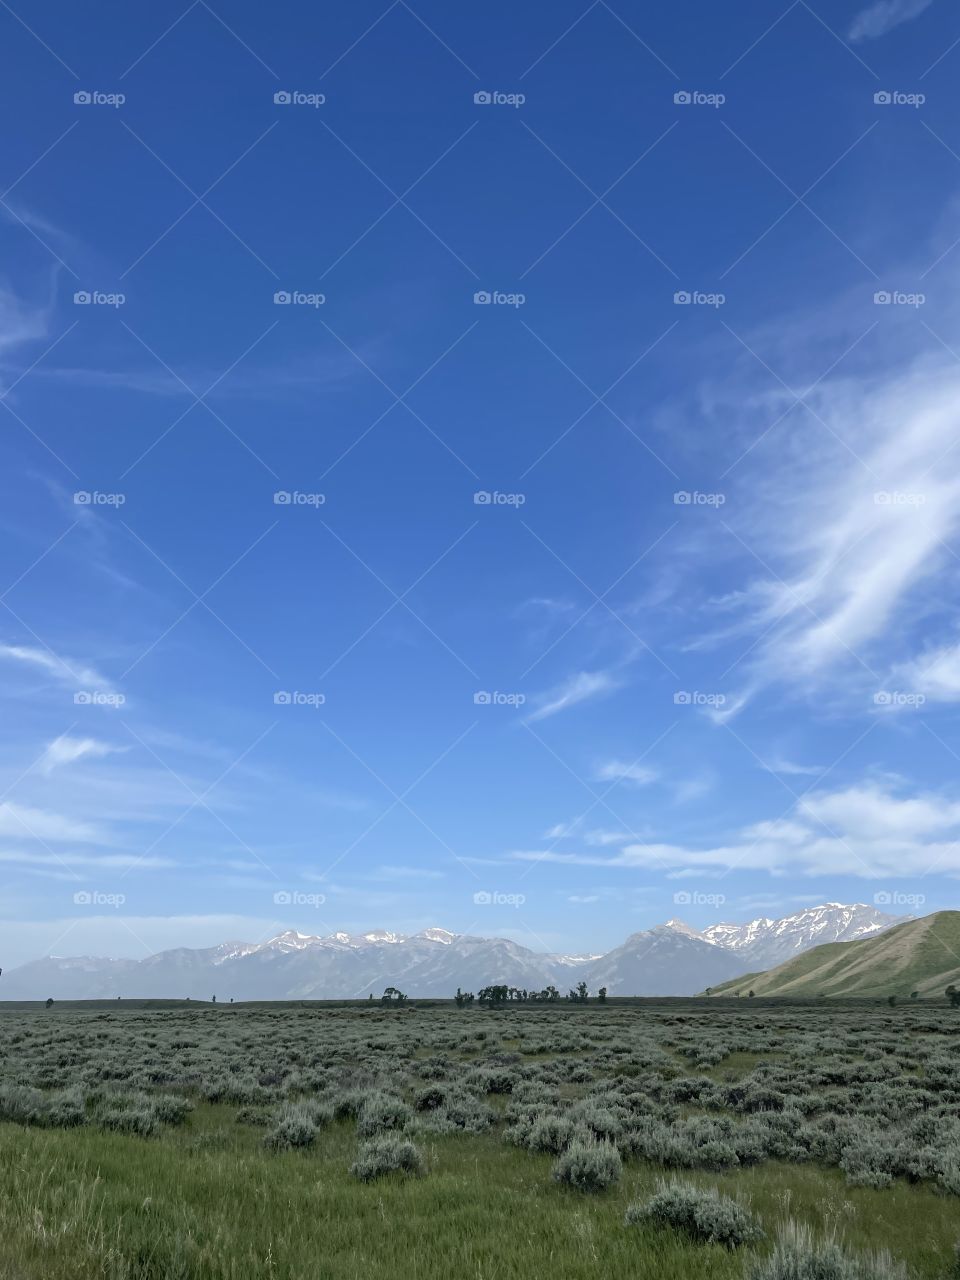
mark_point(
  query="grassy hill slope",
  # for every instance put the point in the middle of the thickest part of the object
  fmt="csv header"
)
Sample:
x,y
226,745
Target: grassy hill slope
x,y
920,955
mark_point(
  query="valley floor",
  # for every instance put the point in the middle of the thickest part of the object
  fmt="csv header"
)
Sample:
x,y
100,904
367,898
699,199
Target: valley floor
x,y
105,1173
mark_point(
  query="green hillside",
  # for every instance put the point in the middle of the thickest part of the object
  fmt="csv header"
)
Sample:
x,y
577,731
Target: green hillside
x,y
921,955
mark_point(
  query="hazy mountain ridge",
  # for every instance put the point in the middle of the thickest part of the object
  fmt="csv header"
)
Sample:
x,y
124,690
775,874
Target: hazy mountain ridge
x,y
669,959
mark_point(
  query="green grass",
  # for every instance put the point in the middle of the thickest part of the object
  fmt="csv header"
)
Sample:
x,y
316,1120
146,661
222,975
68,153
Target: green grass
x,y
78,1204
207,1200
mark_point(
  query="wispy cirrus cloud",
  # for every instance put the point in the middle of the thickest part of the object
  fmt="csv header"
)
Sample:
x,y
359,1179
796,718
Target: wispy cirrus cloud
x,y
578,688
621,771
877,19
864,514
66,670
66,750
24,821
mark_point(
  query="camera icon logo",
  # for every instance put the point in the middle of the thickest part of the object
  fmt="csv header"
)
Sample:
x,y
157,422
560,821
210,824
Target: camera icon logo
x,y
882,298
282,98
483,98
682,298
682,98
681,698
681,498
882,98
281,298
283,898
282,498
82,98
482,298
82,498
83,898
883,899
282,698
82,298
683,898
481,698
82,699
482,498
482,898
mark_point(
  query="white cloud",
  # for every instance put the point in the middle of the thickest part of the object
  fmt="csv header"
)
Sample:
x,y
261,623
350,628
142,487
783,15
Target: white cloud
x,y
865,507
935,674
23,822
103,861
879,18
619,771
20,322
868,830
404,873
65,750
791,768
584,685
66,670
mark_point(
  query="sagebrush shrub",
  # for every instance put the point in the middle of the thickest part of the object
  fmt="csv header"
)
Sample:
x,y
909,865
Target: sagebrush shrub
x,y
589,1166
799,1256
386,1154
380,1113
703,1215
294,1127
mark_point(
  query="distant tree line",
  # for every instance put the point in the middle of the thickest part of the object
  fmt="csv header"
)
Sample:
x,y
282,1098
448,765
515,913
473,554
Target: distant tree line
x,y
494,996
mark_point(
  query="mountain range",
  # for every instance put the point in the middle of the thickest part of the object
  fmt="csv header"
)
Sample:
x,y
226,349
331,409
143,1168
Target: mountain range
x,y
669,959
921,956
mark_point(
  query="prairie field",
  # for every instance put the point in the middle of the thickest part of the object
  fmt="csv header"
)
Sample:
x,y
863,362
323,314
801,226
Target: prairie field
x,y
772,1140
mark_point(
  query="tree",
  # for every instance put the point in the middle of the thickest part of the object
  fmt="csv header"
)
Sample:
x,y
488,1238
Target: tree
x,y
392,995
214,999
953,995
914,995
49,1002
891,1001
751,993
459,999
602,995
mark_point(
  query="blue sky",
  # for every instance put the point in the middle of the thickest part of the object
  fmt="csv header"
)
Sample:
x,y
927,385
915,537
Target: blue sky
x,y
626,593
